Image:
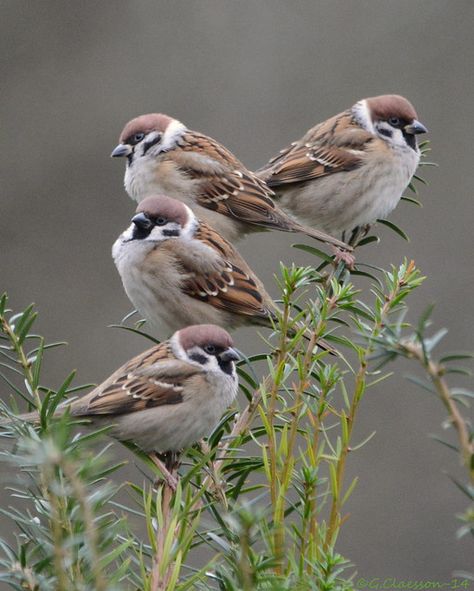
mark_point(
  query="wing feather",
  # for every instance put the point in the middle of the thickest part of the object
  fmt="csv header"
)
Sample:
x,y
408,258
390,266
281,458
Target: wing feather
x,y
154,378
225,185
336,145
226,283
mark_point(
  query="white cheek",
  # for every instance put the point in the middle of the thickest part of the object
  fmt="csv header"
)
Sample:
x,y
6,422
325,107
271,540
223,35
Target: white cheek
x,y
156,235
398,139
153,135
212,364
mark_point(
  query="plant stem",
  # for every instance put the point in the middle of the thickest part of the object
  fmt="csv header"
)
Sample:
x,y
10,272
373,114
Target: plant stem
x,y
160,576
275,481
56,530
435,373
335,514
89,526
21,356
359,388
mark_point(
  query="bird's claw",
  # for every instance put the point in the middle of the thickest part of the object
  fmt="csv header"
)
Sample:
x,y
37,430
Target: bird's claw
x,y
166,480
348,258
167,464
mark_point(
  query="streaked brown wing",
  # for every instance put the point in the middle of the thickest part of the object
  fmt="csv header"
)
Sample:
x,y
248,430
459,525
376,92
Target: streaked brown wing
x,y
199,143
250,201
233,287
226,186
304,163
233,291
133,393
333,146
154,378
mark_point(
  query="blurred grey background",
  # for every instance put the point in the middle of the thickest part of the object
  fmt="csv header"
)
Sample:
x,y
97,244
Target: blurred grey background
x,y
254,75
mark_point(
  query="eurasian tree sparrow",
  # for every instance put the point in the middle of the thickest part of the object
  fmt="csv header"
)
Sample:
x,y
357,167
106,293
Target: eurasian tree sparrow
x,y
164,157
168,397
177,270
350,170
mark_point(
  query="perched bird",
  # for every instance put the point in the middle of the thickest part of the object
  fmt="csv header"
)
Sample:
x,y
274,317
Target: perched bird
x,y
168,397
177,270
163,156
350,170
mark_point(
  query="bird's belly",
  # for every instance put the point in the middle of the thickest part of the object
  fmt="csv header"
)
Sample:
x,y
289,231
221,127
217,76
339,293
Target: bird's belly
x,y
345,200
161,430
162,303
175,427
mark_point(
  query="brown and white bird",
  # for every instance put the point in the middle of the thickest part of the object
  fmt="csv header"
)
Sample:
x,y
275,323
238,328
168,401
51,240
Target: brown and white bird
x,y
350,170
164,157
168,397
177,270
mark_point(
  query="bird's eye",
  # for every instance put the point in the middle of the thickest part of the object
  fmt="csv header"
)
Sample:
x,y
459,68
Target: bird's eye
x,y
137,137
161,221
394,121
210,349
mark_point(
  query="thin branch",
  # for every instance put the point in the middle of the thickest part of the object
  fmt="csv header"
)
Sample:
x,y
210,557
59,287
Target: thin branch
x,y
436,375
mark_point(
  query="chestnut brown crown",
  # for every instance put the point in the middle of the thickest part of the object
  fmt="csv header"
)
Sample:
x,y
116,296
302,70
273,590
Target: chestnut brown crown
x,y
391,105
157,206
144,124
201,335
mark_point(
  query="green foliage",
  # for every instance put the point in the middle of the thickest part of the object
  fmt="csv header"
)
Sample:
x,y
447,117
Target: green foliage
x,y
67,536
263,498
415,344
262,502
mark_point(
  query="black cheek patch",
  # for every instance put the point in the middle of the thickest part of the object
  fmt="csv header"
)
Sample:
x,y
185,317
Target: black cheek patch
x,y
151,143
385,132
201,359
170,232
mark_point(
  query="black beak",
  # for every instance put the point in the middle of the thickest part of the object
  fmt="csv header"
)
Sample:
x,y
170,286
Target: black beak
x,y
415,127
121,150
229,355
141,221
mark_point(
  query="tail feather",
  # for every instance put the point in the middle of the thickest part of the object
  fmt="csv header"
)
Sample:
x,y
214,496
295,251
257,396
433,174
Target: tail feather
x,y
323,237
286,222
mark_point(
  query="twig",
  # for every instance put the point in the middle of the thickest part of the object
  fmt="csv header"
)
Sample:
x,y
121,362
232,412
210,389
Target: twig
x,y
22,358
89,527
160,579
435,372
359,388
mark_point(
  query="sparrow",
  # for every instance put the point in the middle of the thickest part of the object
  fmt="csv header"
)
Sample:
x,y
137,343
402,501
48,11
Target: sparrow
x,y
164,156
350,170
168,397
177,270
